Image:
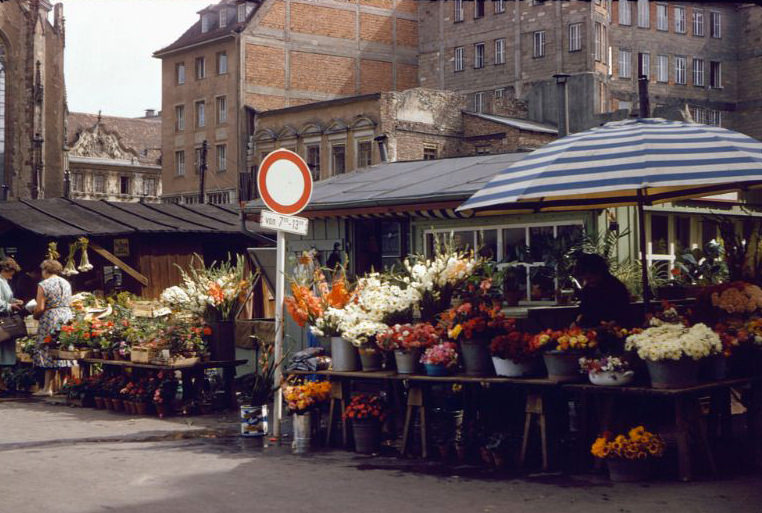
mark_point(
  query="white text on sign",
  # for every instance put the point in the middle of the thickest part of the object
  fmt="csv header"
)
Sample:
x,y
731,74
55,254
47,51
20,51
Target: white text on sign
x,y
290,224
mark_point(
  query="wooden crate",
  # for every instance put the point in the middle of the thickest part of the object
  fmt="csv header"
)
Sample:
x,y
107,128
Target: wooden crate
x,y
142,355
149,309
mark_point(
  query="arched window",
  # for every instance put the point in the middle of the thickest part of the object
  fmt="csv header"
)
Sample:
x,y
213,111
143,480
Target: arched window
x,y
2,112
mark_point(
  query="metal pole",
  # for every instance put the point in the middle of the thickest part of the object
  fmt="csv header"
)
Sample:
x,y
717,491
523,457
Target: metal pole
x,y
202,172
280,291
643,255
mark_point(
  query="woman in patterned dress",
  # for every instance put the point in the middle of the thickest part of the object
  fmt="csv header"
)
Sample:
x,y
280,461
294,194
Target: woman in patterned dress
x,y
53,311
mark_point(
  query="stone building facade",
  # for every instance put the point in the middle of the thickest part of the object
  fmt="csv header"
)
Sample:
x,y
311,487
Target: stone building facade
x,y
339,136
32,99
697,56
113,158
271,54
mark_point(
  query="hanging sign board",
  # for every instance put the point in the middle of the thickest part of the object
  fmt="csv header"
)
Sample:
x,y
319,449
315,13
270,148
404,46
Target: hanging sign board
x,y
290,224
285,182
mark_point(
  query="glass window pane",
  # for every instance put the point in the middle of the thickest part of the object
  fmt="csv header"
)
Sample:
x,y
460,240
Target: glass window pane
x,y
542,282
540,242
487,244
463,241
682,233
708,231
515,284
569,235
659,234
514,244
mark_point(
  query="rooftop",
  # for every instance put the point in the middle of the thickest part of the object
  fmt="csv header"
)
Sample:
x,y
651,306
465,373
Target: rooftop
x,y
521,124
139,135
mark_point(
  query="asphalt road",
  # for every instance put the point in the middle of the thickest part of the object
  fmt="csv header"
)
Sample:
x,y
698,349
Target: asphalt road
x,y
64,460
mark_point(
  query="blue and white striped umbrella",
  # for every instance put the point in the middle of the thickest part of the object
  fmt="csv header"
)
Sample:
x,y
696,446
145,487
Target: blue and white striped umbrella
x,y
625,163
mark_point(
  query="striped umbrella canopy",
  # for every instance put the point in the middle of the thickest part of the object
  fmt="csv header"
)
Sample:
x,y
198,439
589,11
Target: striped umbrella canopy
x,y
633,162
625,163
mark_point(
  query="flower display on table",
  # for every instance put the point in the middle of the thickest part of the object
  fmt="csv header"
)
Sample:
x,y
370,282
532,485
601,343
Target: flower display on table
x,y
83,333
408,337
469,321
302,398
515,345
675,341
737,298
570,339
667,314
320,310
604,364
444,354
638,444
365,407
754,331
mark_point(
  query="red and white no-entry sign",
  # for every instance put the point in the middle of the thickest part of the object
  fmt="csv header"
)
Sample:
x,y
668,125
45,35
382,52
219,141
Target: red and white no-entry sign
x,y
285,182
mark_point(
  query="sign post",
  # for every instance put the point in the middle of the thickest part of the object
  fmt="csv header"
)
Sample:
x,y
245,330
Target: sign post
x,y
285,183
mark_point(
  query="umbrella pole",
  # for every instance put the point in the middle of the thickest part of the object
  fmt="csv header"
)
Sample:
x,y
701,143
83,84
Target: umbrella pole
x,y
643,256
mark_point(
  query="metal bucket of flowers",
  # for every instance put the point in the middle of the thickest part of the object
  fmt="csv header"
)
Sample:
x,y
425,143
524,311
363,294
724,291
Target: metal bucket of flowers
x,y
629,457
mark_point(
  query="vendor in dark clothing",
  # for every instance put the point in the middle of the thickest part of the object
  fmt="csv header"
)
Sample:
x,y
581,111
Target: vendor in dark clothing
x,y
603,297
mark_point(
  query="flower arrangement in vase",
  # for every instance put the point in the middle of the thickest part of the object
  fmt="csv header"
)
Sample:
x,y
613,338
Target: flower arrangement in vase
x,y
607,371
366,411
563,348
407,341
628,456
301,398
440,359
515,354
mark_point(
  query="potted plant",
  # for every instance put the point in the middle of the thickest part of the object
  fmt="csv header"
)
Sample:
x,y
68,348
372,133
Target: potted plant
x,y
515,354
563,349
301,399
440,359
607,371
672,352
366,412
407,341
629,457
164,390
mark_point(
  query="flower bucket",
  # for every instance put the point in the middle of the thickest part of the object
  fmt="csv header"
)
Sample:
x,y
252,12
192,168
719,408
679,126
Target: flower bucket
x,y
141,408
508,368
367,435
476,358
407,361
254,421
628,471
99,403
343,355
118,404
436,369
680,373
371,359
302,426
563,366
611,378
222,340
714,368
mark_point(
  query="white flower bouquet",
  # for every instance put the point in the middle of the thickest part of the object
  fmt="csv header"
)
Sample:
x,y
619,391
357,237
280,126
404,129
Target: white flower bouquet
x,y
675,341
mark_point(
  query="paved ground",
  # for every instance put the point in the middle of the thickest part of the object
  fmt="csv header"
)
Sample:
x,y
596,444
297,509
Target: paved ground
x,y
61,460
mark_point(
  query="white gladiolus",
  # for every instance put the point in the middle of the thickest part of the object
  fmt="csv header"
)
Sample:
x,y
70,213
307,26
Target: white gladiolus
x,y
674,341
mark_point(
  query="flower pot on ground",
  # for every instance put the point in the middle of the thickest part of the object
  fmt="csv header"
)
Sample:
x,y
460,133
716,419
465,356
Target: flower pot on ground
x,y
141,408
367,435
301,400
302,427
607,371
366,412
629,457
99,405
344,355
629,471
370,359
254,420
440,359
476,358
117,404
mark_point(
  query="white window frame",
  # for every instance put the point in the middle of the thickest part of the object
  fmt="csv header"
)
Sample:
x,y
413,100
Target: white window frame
x,y
499,92
645,64
715,79
698,23
499,6
670,257
180,73
662,68
332,144
681,70
625,12
538,44
644,14
715,24
460,61
575,37
206,22
200,70
179,162
241,13
625,63
222,63
699,72
598,41
200,114
77,182
363,140
221,157
662,17
478,101
313,142
680,20
179,118
478,55
146,181
221,106
100,178
478,3
459,13
223,18
500,51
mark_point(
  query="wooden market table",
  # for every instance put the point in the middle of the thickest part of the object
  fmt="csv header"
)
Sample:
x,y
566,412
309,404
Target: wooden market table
x,y
189,373
689,420
535,411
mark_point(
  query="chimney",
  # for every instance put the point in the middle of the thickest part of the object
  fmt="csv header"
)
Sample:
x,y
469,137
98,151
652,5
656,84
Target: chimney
x,y
381,140
150,113
562,94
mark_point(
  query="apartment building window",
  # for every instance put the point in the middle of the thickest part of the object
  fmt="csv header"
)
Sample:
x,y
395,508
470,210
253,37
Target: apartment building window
x,y
479,55
680,71
479,9
625,63
338,159
698,72
459,60
180,118
680,20
662,17
715,75
539,43
575,37
662,68
364,153
698,23
715,27
180,163
77,182
200,114
644,65
430,152
200,68
99,184
478,102
499,51
458,4
223,18
180,73
598,41
644,15
149,186
499,6
625,12
124,185
222,63
499,93
706,116
222,109
206,23
241,12
313,160
222,157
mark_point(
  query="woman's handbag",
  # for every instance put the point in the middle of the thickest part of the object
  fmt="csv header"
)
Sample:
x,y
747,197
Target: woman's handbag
x,y
12,326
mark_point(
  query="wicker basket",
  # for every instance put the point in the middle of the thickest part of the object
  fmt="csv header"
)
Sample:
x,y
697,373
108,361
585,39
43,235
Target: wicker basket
x,y
142,355
32,325
74,355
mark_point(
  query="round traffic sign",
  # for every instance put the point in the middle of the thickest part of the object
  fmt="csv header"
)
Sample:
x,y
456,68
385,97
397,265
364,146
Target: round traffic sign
x,y
285,182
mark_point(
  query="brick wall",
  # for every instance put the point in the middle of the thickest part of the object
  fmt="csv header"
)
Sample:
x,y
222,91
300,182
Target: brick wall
x,y
323,21
376,75
328,74
265,66
376,28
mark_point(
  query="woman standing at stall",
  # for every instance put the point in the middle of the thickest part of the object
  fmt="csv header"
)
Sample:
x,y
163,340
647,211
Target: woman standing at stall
x,y
9,305
53,311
